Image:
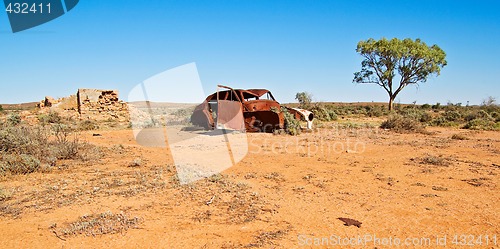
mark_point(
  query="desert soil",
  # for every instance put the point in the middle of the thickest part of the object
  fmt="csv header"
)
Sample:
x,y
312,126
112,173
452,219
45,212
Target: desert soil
x,y
286,192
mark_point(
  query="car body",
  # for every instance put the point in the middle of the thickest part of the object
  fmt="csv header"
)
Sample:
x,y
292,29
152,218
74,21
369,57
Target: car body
x,y
252,110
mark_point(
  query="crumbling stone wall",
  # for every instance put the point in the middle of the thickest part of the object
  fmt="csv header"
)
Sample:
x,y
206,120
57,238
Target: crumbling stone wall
x,y
101,105
92,104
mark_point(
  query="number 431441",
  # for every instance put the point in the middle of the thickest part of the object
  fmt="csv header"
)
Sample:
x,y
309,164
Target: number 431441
x,y
25,8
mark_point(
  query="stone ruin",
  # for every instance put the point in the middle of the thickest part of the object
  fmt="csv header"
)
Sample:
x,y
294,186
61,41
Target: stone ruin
x,y
93,104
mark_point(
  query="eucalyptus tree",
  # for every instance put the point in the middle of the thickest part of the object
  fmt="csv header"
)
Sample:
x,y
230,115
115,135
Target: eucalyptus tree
x,y
413,61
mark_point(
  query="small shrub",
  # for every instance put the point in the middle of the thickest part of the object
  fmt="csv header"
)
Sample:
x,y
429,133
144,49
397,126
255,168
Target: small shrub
x,y
482,124
425,117
23,149
402,124
51,118
99,224
14,119
411,113
18,164
425,106
65,147
484,115
459,137
1,108
5,194
324,113
433,160
292,125
87,125
452,116
376,111
442,121
437,106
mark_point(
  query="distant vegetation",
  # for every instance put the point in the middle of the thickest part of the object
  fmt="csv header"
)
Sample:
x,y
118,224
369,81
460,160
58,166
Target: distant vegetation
x,y
414,117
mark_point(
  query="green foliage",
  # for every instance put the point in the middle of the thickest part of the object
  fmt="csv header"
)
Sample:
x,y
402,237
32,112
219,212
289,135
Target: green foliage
x,y
292,125
482,124
443,121
413,60
1,108
304,99
453,116
324,113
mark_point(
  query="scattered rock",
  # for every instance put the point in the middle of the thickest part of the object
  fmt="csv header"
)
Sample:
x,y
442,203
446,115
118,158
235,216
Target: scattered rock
x,y
350,222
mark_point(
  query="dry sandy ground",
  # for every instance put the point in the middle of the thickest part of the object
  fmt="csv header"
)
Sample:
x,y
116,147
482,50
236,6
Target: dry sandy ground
x,y
288,192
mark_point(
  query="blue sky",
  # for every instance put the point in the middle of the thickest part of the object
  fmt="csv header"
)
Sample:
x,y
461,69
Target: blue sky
x,y
285,46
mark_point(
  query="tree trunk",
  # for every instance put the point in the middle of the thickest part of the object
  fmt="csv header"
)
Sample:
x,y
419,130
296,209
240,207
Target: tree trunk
x,y
391,103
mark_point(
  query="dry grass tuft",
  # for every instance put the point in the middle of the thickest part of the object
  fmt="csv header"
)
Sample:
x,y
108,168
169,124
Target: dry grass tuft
x,y
459,137
99,224
268,238
432,160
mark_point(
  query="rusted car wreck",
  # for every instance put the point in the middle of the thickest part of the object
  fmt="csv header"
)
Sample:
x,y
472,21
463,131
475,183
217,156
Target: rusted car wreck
x,y
253,110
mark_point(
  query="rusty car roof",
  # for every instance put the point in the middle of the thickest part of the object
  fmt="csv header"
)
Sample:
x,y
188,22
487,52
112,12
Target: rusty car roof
x,y
248,93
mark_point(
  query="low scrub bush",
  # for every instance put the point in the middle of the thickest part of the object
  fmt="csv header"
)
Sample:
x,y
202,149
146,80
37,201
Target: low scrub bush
x,y
324,113
27,149
482,124
87,125
292,125
402,124
14,119
18,164
49,118
99,224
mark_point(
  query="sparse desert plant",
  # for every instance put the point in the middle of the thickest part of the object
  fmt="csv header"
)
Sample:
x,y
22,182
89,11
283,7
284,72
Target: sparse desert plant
x,y
482,124
304,99
18,164
436,106
50,118
426,106
14,119
99,224
433,160
87,125
459,137
26,149
66,145
324,113
453,116
292,125
402,124
425,117
5,194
